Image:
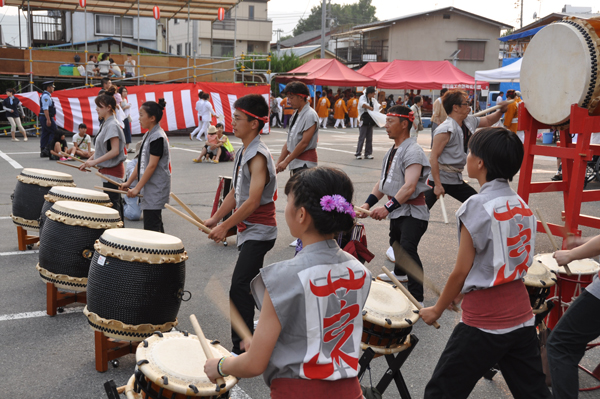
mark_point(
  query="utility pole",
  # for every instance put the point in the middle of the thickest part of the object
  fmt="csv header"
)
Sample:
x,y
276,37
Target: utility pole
x,y
323,24
278,32
521,13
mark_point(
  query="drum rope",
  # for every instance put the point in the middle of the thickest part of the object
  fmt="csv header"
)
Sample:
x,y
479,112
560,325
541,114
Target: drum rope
x,y
91,219
78,199
46,178
150,251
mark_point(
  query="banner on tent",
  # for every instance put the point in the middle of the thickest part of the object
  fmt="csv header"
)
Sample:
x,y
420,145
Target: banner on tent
x,y
77,106
482,86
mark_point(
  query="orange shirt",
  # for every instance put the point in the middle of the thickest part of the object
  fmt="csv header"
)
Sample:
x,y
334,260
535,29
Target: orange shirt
x,y
340,109
323,107
353,108
511,120
287,107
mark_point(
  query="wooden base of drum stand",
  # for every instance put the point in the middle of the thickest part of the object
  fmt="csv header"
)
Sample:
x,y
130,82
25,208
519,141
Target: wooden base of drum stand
x,y
24,239
108,349
394,365
57,299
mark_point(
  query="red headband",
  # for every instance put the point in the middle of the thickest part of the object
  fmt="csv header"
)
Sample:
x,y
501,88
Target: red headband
x,y
298,94
410,116
265,119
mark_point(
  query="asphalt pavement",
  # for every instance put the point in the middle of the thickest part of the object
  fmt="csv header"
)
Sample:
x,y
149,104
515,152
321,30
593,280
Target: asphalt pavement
x,y
53,357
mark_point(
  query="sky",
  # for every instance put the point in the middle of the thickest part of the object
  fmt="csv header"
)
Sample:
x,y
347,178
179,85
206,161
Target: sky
x,y
286,13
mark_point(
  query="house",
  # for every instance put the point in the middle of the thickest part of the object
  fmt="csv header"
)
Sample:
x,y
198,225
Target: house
x,y
305,53
216,38
309,38
466,39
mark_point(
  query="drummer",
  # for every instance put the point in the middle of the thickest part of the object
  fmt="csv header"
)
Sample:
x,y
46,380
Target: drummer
x,y
450,143
403,179
580,325
253,199
153,167
307,342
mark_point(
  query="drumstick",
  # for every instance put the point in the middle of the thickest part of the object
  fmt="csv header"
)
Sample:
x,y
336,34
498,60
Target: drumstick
x,y
64,154
551,237
495,107
112,190
405,292
108,179
72,166
207,351
217,295
408,264
443,204
363,210
187,209
189,219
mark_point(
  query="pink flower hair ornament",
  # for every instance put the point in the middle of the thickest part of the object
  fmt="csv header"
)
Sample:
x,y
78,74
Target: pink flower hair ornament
x,y
336,202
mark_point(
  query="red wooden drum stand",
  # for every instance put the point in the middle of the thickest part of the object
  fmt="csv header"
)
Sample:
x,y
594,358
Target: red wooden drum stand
x,y
108,349
24,239
56,299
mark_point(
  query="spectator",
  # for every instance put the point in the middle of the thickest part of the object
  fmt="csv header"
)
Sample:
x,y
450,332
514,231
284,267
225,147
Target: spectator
x,y
390,101
407,101
288,111
91,69
131,207
59,144
11,106
82,143
275,112
417,124
126,108
114,68
500,97
366,103
129,67
439,113
104,66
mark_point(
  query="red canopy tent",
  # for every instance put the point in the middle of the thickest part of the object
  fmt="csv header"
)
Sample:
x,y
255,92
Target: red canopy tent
x,y
424,75
371,68
326,72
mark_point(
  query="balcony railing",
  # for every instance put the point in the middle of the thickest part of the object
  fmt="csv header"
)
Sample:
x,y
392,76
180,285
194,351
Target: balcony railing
x,y
362,54
48,29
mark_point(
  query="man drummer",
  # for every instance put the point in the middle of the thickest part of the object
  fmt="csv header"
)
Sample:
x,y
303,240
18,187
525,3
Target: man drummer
x,y
46,118
449,152
255,182
403,179
300,150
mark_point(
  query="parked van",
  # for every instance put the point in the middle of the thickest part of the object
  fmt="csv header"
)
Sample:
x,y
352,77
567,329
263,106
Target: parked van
x,y
491,99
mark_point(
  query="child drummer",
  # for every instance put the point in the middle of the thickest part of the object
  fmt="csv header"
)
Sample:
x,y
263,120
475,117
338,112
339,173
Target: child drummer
x,y
307,343
496,237
255,182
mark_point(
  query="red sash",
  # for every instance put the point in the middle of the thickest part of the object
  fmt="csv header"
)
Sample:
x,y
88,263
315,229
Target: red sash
x,y
264,214
309,155
116,171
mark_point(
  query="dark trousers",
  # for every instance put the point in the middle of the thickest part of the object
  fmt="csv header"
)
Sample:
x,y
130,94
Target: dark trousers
x,y
250,261
567,343
460,192
47,134
116,199
470,353
408,232
276,117
153,220
365,133
286,119
127,130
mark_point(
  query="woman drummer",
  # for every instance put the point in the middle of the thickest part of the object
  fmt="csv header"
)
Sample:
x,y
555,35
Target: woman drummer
x,y
153,168
311,303
110,145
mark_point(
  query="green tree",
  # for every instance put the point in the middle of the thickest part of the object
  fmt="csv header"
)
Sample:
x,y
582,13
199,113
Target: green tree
x,y
358,13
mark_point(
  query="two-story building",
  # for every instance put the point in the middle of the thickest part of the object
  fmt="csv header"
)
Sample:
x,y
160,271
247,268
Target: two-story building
x,y
216,39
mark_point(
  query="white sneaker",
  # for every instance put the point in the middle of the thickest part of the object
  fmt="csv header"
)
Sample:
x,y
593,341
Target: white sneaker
x,y
294,243
368,156
401,278
359,157
390,254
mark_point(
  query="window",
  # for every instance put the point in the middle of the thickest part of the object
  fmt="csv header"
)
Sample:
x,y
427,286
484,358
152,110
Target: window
x,y
179,49
170,49
226,24
446,16
188,48
254,47
471,50
222,48
176,21
110,25
250,12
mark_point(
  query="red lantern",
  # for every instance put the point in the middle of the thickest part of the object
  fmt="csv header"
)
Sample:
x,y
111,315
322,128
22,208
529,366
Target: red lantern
x,y
221,14
156,12
82,3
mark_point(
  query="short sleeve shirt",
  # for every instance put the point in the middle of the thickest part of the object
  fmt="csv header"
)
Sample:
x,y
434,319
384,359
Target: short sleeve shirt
x,y
84,143
46,101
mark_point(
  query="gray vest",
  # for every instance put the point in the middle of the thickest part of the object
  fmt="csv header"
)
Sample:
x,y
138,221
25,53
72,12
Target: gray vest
x,y
241,182
305,120
156,191
110,128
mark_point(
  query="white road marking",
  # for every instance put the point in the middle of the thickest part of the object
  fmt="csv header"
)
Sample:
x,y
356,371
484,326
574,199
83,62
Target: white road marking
x,y
41,313
21,153
184,149
335,149
11,161
5,217
34,251
238,393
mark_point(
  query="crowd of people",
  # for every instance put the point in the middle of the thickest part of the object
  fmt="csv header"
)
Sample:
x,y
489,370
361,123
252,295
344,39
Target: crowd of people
x,y
102,65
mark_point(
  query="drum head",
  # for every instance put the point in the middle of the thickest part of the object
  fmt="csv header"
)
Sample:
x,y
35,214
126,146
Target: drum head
x,y
539,275
181,359
61,193
557,71
144,246
45,178
578,267
388,303
85,214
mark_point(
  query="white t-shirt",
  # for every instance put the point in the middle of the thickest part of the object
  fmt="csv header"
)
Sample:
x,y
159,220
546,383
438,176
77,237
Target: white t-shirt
x,y
89,68
498,99
129,66
84,143
104,66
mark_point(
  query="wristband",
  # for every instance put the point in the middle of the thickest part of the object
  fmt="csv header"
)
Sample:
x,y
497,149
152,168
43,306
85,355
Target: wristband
x,y
220,368
372,200
392,205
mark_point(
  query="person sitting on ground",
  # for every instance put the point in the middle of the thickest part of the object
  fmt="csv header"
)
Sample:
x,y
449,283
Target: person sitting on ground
x,y
212,149
82,143
114,68
59,144
227,151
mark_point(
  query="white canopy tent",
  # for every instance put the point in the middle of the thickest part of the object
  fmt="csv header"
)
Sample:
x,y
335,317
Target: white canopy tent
x,y
509,73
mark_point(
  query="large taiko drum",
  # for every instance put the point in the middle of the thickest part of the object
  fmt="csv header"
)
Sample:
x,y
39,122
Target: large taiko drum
x,y
135,284
568,287
538,282
28,197
67,242
560,68
171,366
388,316
62,193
